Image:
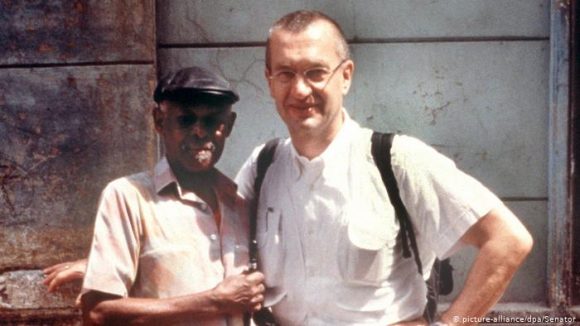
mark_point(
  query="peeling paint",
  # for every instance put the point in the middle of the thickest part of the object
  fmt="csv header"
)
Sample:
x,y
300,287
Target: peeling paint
x,y
54,31
7,175
85,127
434,112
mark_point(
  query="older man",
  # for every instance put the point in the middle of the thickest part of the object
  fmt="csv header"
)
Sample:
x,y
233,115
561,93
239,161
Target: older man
x,y
326,229
170,245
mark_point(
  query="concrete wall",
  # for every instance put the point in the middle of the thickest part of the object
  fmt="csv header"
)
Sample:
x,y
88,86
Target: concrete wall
x,y
469,77
75,85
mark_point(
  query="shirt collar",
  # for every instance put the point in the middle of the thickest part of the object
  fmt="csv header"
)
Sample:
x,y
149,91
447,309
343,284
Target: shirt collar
x,y
336,149
341,142
162,175
225,188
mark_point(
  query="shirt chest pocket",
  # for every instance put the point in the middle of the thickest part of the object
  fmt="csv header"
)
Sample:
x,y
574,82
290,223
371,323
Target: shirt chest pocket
x,y
271,253
365,266
366,247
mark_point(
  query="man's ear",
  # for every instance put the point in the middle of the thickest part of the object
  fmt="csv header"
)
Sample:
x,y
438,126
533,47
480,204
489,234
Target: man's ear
x,y
158,118
267,76
347,74
230,123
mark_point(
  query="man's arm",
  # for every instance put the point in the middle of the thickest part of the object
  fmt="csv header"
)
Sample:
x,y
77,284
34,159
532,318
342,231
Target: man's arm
x,y
503,244
63,273
235,295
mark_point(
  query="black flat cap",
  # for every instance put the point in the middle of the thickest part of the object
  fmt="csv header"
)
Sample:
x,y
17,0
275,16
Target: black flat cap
x,y
194,83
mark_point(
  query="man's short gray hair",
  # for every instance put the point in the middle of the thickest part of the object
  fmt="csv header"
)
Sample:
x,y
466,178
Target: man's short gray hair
x,y
298,21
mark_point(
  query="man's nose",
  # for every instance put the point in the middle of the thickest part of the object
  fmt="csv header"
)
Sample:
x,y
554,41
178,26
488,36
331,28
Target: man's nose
x,y
199,129
300,88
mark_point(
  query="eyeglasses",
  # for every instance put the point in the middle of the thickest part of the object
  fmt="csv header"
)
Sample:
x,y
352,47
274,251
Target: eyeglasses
x,y
315,77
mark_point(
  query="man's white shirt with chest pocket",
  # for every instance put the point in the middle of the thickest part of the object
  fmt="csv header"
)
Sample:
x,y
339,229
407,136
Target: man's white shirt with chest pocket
x,y
316,216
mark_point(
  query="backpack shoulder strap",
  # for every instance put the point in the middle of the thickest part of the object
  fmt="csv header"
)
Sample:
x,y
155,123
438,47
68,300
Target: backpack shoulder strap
x,y
265,159
381,150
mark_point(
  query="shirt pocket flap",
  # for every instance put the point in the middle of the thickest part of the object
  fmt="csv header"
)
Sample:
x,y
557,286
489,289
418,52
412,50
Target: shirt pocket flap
x,y
372,230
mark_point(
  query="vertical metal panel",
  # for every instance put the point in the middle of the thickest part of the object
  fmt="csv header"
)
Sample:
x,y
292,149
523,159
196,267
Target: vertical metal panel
x,y
66,132
76,80
62,31
559,210
575,160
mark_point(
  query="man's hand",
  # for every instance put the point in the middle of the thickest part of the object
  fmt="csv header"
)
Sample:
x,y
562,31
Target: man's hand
x,y
60,274
241,293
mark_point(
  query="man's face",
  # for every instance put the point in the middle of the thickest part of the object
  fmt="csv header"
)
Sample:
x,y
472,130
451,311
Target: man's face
x,y
308,79
194,136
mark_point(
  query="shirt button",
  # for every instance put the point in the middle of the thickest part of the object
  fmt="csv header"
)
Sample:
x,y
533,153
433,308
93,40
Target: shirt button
x,y
213,237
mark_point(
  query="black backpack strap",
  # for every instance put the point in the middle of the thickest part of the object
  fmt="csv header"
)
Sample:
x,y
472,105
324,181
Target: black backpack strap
x,y
265,159
381,151
263,317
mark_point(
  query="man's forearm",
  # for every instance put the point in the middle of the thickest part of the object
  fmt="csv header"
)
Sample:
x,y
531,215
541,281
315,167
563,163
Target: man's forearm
x,y
128,311
484,286
234,295
500,254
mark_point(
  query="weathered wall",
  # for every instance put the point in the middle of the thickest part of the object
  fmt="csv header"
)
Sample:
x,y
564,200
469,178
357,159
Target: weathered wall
x,y
75,85
469,77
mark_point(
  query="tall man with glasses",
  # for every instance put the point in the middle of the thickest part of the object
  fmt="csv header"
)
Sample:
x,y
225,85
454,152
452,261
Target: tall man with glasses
x,y
326,230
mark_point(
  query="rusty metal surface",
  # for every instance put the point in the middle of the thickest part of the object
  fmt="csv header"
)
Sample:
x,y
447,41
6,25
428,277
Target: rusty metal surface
x,y
65,132
62,31
559,208
24,290
76,79
41,317
575,117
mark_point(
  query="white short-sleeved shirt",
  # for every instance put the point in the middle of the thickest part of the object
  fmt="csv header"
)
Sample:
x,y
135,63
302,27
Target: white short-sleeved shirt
x,y
327,233
153,239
